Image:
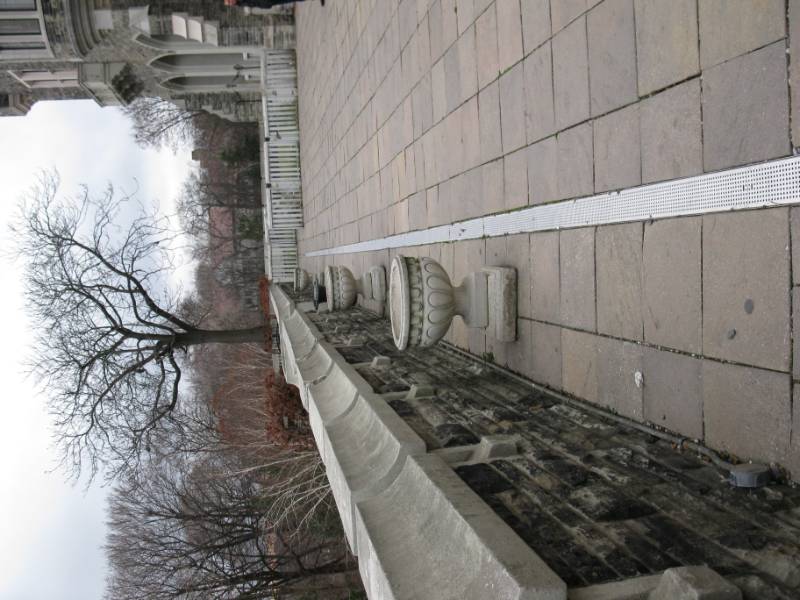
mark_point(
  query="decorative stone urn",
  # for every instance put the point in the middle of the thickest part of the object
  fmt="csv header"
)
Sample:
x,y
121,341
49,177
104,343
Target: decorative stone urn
x,y
342,287
423,301
301,279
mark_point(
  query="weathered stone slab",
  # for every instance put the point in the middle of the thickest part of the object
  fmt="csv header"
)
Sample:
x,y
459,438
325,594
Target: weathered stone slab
x,y
746,283
577,289
545,367
509,37
729,29
405,550
746,123
612,55
619,280
512,108
671,288
486,40
666,43
542,171
694,583
535,23
564,11
617,157
571,74
618,386
545,276
579,364
747,411
489,118
574,162
673,391
671,132
539,110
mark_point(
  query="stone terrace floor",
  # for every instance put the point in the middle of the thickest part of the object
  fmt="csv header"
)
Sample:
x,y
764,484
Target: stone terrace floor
x,y
417,113
599,501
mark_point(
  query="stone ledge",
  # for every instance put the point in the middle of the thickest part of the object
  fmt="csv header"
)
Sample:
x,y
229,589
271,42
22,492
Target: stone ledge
x,y
392,495
429,536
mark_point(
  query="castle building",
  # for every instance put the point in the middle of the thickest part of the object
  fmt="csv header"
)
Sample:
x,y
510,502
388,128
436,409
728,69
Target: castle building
x,y
199,54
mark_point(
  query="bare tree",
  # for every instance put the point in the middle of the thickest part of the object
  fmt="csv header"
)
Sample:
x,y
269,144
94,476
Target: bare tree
x,y
200,530
110,339
158,122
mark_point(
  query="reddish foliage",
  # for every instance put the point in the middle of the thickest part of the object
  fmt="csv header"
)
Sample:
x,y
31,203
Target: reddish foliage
x,y
287,421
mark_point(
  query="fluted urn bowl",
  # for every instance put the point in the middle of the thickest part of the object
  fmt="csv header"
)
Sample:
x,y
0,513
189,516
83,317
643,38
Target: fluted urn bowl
x,y
301,279
422,301
340,287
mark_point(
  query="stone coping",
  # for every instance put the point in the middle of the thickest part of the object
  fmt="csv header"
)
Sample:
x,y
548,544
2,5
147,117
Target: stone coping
x,y
419,531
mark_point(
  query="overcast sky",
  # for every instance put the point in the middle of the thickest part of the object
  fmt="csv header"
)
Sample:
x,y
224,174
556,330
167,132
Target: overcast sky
x,y
50,532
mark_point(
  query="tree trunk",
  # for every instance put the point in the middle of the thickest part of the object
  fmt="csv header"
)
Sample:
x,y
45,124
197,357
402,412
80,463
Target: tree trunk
x,y
221,336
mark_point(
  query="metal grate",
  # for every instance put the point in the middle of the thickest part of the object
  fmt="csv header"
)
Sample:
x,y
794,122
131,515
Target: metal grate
x,y
773,183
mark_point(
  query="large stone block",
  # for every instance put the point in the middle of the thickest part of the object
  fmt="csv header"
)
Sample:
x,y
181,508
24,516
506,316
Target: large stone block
x,y
491,145
746,123
671,133
564,11
467,62
515,166
671,289
545,276
746,283
673,391
543,171
666,43
535,23
577,289
486,38
579,364
617,157
795,236
729,29
545,365
509,37
747,411
574,162
794,67
571,74
619,280
694,583
618,385
456,548
539,110
612,55
512,108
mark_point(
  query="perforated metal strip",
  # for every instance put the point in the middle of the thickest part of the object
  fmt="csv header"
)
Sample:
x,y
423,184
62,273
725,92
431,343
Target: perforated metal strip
x,y
773,183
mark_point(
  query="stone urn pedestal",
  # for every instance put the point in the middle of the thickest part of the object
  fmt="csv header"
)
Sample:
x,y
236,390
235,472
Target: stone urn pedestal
x,y
343,288
423,301
301,279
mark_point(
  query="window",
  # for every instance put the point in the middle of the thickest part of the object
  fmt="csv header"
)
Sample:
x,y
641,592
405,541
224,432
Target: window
x,y
48,79
9,45
19,27
17,4
4,102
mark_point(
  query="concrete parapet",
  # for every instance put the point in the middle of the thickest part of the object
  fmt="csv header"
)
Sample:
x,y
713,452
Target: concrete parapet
x,y
429,536
418,530
364,450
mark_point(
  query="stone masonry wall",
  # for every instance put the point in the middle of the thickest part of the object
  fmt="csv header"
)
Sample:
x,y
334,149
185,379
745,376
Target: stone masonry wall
x,y
416,113
597,500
